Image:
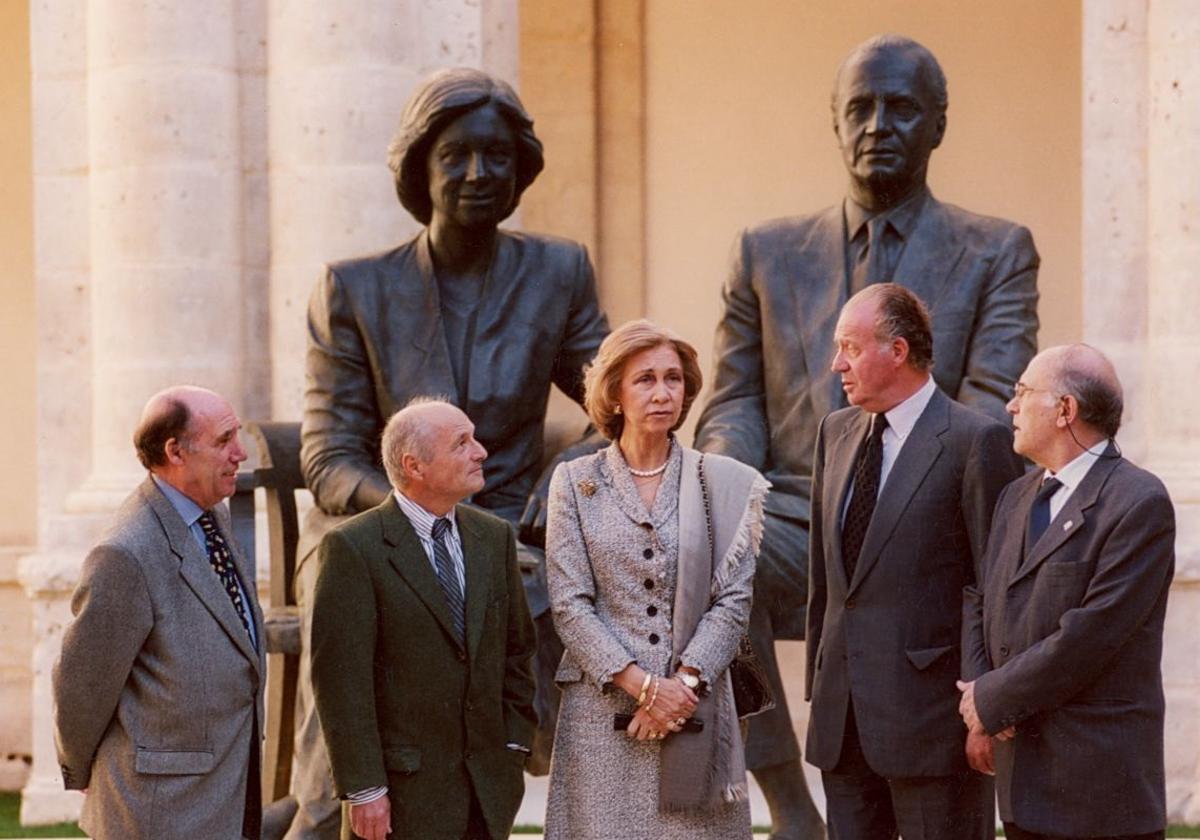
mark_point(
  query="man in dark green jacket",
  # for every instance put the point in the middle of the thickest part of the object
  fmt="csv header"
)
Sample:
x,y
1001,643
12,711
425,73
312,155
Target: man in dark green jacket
x,y
421,645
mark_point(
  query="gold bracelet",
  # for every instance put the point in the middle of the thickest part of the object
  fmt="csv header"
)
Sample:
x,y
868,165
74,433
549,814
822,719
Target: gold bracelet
x,y
645,686
653,697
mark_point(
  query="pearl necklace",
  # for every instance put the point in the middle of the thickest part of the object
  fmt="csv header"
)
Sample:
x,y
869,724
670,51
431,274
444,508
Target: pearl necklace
x,y
650,473
657,471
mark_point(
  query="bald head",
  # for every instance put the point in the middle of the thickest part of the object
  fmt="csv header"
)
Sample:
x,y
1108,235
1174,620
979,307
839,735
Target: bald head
x,y
168,415
430,453
188,437
1085,373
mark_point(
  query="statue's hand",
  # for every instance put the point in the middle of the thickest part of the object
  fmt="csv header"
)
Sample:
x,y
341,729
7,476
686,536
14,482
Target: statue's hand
x,y
532,529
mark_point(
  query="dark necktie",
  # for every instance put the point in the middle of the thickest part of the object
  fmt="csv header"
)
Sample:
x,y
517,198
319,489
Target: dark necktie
x,y
866,489
221,559
1039,514
448,578
871,265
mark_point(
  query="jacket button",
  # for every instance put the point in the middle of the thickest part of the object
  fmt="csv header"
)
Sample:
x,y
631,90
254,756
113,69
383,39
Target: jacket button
x,y
653,638
1004,650
470,706
648,553
649,584
851,603
462,656
652,611
467,755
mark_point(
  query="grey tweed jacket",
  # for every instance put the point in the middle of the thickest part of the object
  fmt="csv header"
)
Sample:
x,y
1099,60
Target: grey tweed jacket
x,y
158,687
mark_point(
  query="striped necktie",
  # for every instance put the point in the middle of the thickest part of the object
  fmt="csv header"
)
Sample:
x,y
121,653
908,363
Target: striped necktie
x,y
448,577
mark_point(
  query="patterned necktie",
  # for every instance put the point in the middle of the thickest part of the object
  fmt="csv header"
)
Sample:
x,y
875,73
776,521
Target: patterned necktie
x,y
1039,514
448,578
866,490
221,559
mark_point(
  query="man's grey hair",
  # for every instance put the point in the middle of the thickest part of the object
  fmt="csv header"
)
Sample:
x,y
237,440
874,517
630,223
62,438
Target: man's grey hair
x,y
406,434
928,63
1089,376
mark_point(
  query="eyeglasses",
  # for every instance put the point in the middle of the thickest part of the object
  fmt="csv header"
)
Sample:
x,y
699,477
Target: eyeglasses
x,y
1021,389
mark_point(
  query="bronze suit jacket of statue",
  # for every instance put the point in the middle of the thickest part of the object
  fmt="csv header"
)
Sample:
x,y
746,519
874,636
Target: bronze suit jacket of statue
x,y
158,687
402,702
376,340
774,344
889,637
1065,644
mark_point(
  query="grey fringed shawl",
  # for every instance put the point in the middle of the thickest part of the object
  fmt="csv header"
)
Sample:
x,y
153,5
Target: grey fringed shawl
x,y
704,770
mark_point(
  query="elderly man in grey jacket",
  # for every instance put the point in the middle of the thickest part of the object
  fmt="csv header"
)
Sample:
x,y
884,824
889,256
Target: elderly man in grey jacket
x,y
158,692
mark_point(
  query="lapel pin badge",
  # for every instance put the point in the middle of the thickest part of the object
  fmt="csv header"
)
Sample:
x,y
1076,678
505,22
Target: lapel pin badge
x,y
587,487
1067,525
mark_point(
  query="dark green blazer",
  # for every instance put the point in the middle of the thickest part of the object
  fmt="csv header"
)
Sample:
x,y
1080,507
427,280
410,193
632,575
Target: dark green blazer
x,y
400,701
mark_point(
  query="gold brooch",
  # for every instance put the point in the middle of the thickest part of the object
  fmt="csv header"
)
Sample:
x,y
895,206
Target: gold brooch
x,y
587,487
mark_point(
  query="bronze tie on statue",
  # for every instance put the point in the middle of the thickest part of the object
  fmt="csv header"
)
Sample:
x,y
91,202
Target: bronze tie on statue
x,y
871,266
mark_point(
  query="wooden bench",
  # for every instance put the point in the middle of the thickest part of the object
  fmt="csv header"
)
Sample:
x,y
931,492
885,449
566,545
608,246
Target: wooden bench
x,y
278,474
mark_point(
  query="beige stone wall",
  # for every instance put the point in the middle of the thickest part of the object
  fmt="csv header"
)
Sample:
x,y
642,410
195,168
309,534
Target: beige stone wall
x,y
18,487
671,125
738,130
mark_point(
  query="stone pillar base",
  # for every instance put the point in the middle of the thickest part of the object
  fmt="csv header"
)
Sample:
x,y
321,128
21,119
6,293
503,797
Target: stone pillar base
x,y
44,802
49,580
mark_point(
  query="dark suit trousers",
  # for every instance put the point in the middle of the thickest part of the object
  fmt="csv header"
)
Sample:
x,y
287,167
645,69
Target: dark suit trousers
x,y
863,805
252,816
1014,832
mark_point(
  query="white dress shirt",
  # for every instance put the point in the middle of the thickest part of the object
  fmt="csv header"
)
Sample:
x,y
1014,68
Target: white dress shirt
x,y
901,420
1072,475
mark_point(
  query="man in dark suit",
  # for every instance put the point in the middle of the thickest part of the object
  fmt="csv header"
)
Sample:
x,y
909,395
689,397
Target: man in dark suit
x,y
421,645
158,692
903,491
790,277
1062,643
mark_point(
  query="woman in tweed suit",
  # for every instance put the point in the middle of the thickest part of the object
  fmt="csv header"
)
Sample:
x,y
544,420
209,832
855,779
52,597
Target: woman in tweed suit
x,y
651,595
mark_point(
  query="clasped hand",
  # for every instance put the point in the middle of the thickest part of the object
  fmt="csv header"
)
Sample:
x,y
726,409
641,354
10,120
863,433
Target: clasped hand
x,y
979,745
673,705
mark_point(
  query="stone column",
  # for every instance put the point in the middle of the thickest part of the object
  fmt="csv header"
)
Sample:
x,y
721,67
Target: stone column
x,y
1141,231
339,73
58,52
1173,357
137,224
165,217
1115,250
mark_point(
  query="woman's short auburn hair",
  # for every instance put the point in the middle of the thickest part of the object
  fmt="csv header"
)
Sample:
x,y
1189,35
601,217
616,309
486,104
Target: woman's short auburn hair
x,y
602,382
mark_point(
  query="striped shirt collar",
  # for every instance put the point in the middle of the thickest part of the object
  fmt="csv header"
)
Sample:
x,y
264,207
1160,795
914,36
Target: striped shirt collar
x,y
421,519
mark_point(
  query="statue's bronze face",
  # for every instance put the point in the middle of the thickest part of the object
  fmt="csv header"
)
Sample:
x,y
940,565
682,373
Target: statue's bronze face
x,y
473,170
887,123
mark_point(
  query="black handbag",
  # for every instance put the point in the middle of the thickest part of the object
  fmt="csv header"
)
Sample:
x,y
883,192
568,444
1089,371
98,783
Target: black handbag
x,y
752,694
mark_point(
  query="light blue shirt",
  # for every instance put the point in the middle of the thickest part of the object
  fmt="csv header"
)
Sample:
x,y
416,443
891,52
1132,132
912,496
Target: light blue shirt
x,y
190,513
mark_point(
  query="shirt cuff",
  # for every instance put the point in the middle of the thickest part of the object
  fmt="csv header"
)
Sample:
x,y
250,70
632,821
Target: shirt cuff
x,y
362,797
515,747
